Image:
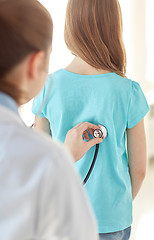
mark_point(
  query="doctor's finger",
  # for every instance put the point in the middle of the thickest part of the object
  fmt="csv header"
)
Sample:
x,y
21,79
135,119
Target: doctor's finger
x,y
86,135
91,131
93,142
87,126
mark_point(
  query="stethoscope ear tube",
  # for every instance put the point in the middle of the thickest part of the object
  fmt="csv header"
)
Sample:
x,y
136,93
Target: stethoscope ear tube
x,y
92,165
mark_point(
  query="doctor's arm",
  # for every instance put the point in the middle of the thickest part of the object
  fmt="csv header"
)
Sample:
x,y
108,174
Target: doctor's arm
x,y
136,145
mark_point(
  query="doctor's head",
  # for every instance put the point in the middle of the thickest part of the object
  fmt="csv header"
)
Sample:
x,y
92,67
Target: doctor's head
x,y
93,32
25,44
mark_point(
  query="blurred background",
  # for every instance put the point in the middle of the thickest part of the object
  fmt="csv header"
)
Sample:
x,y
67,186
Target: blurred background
x,y
138,25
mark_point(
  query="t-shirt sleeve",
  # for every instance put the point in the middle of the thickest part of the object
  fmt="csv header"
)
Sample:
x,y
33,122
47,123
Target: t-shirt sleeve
x,y
39,102
138,106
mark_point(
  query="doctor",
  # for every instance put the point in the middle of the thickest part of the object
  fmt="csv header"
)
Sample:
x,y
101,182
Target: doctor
x,y
41,196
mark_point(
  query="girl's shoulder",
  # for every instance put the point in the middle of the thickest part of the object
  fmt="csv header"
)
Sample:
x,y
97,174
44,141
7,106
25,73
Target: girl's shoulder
x,y
123,83
58,74
119,80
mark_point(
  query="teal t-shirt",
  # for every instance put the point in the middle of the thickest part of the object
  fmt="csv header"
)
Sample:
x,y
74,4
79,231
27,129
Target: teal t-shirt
x,y
115,102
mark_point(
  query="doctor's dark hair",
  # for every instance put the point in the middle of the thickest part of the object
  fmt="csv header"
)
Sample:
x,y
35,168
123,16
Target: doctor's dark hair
x,y
93,32
25,27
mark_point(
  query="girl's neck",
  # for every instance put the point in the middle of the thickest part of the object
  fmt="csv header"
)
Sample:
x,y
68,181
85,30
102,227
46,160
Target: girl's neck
x,y
79,66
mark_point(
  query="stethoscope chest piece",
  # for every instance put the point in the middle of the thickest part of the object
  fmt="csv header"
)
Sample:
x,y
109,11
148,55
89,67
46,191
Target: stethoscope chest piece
x,y
100,133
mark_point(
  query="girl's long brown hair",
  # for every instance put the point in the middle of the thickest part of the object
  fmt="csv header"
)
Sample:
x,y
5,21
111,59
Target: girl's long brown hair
x,y
25,27
93,32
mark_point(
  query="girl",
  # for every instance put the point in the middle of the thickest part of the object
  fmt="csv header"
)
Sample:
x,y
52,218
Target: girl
x,y
40,194
94,88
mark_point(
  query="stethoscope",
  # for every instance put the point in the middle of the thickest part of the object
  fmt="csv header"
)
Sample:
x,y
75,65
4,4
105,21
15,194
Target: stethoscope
x,y
101,132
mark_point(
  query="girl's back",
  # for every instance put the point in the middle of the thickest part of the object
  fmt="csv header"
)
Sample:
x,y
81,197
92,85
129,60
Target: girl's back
x,y
110,100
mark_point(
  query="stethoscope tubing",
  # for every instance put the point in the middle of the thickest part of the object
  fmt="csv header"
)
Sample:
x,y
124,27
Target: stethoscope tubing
x,y
92,165
101,132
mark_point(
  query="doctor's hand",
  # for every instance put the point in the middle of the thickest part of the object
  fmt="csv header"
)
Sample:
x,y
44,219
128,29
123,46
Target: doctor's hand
x,y
76,144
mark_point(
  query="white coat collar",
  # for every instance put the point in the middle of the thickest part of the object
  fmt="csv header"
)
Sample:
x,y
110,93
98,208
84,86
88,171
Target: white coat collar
x,y
7,115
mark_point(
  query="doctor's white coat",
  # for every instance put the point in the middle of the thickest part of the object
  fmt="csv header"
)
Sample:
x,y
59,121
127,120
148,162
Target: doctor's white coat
x,y
41,196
